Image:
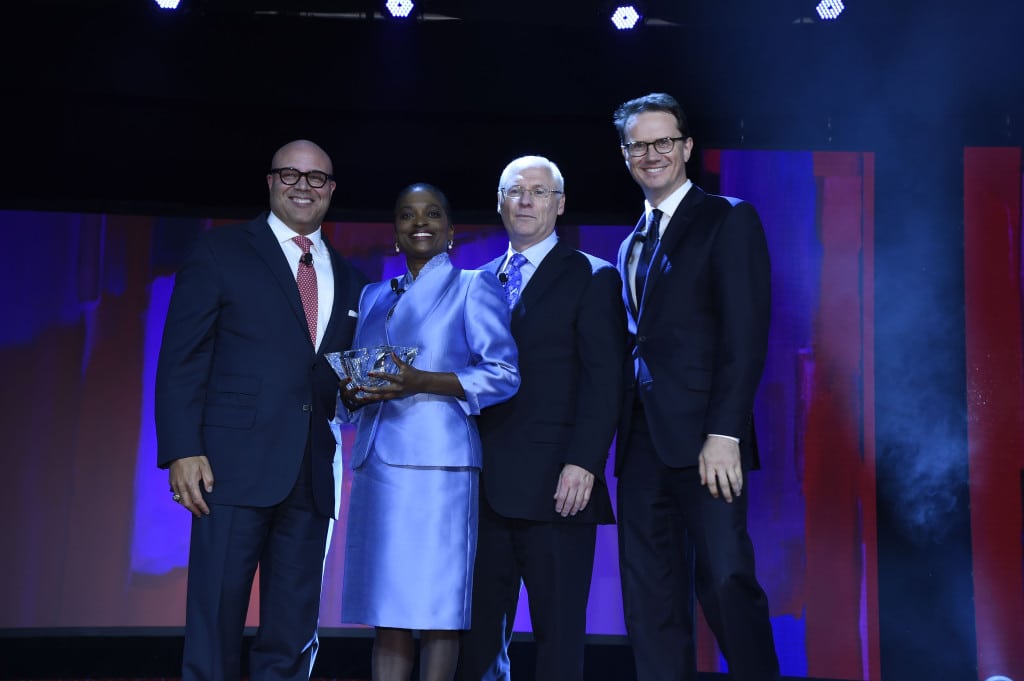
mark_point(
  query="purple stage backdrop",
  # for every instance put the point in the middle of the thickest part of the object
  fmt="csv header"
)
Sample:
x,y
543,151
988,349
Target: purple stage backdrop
x,y
92,539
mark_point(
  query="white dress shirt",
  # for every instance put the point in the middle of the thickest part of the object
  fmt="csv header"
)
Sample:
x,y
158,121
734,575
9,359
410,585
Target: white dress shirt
x,y
668,208
321,264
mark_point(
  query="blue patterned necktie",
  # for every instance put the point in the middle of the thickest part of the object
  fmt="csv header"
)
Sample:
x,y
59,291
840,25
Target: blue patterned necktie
x,y
514,282
646,254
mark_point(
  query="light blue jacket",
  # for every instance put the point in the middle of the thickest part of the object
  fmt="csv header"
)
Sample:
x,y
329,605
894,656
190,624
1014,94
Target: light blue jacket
x,y
459,320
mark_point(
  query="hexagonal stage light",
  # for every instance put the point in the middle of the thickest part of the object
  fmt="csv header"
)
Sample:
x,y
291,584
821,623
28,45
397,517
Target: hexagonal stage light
x,y
830,9
400,9
625,17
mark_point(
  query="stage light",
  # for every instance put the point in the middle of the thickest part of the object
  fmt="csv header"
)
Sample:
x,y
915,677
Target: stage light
x,y
400,9
625,17
830,9
168,4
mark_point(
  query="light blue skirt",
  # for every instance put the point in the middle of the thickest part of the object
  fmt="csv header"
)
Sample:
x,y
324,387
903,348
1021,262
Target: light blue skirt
x,y
410,546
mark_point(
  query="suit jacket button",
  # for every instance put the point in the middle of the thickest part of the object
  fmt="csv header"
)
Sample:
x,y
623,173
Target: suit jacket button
x,y
307,407
641,339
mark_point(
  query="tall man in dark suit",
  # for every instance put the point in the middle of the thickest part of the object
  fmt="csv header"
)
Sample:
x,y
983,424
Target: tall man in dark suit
x,y
696,290
542,487
243,404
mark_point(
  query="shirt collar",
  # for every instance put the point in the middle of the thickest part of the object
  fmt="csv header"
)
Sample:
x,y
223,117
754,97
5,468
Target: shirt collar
x,y
669,206
535,253
285,233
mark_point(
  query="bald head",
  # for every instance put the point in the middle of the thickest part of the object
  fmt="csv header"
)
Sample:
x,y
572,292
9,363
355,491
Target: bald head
x,y
302,146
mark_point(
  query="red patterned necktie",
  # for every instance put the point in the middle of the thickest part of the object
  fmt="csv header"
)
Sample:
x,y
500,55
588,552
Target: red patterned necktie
x,y
306,279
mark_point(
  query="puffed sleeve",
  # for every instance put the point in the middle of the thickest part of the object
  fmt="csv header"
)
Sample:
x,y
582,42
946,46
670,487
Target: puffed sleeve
x,y
493,373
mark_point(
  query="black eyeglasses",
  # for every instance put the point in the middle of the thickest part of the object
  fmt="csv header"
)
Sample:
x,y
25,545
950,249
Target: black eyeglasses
x,y
662,145
314,178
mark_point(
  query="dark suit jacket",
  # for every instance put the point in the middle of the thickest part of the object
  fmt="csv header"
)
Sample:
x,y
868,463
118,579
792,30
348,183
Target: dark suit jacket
x,y
238,379
569,327
701,334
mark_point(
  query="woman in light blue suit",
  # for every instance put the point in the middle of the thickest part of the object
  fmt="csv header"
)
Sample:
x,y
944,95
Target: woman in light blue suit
x,y
411,539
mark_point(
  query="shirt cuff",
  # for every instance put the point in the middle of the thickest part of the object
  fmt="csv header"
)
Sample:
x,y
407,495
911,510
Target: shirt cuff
x,y
727,437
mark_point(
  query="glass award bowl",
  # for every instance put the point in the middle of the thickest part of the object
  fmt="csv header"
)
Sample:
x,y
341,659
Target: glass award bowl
x,y
358,363
335,360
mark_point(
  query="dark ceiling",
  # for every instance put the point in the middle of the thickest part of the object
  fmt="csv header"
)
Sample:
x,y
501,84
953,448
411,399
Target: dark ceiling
x,y
118,106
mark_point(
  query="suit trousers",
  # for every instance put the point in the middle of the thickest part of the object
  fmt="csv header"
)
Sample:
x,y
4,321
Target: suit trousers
x,y
675,541
555,562
288,543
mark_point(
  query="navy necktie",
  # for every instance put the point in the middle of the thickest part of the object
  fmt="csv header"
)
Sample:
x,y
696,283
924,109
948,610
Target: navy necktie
x,y
646,254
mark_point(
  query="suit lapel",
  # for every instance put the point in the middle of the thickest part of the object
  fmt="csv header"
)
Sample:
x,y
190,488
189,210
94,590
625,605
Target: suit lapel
x,y
495,265
674,233
546,275
338,310
266,246
627,259
415,306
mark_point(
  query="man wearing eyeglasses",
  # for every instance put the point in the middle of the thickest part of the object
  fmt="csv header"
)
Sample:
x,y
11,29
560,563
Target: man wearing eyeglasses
x,y
696,292
542,486
244,401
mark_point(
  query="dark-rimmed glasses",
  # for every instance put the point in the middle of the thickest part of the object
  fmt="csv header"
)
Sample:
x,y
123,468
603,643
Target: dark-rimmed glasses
x,y
291,176
662,145
515,193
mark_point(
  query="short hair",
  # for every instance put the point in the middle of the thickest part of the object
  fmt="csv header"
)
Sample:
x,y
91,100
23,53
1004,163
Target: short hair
x,y
655,101
426,187
532,162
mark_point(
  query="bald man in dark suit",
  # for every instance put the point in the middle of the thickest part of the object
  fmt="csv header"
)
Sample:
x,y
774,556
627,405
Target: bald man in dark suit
x,y
244,401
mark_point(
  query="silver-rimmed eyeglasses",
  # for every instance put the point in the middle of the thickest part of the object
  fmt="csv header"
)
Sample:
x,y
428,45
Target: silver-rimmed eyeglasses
x,y
515,193
662,145
314,178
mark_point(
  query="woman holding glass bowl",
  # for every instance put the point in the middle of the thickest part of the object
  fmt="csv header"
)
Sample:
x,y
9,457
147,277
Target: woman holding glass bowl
x,y
411,538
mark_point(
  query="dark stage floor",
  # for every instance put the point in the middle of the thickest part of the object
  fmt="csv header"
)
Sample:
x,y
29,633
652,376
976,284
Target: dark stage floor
x,y
91,655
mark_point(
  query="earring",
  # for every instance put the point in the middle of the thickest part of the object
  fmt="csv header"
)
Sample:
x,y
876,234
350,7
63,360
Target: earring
x,y
396,248
451,242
